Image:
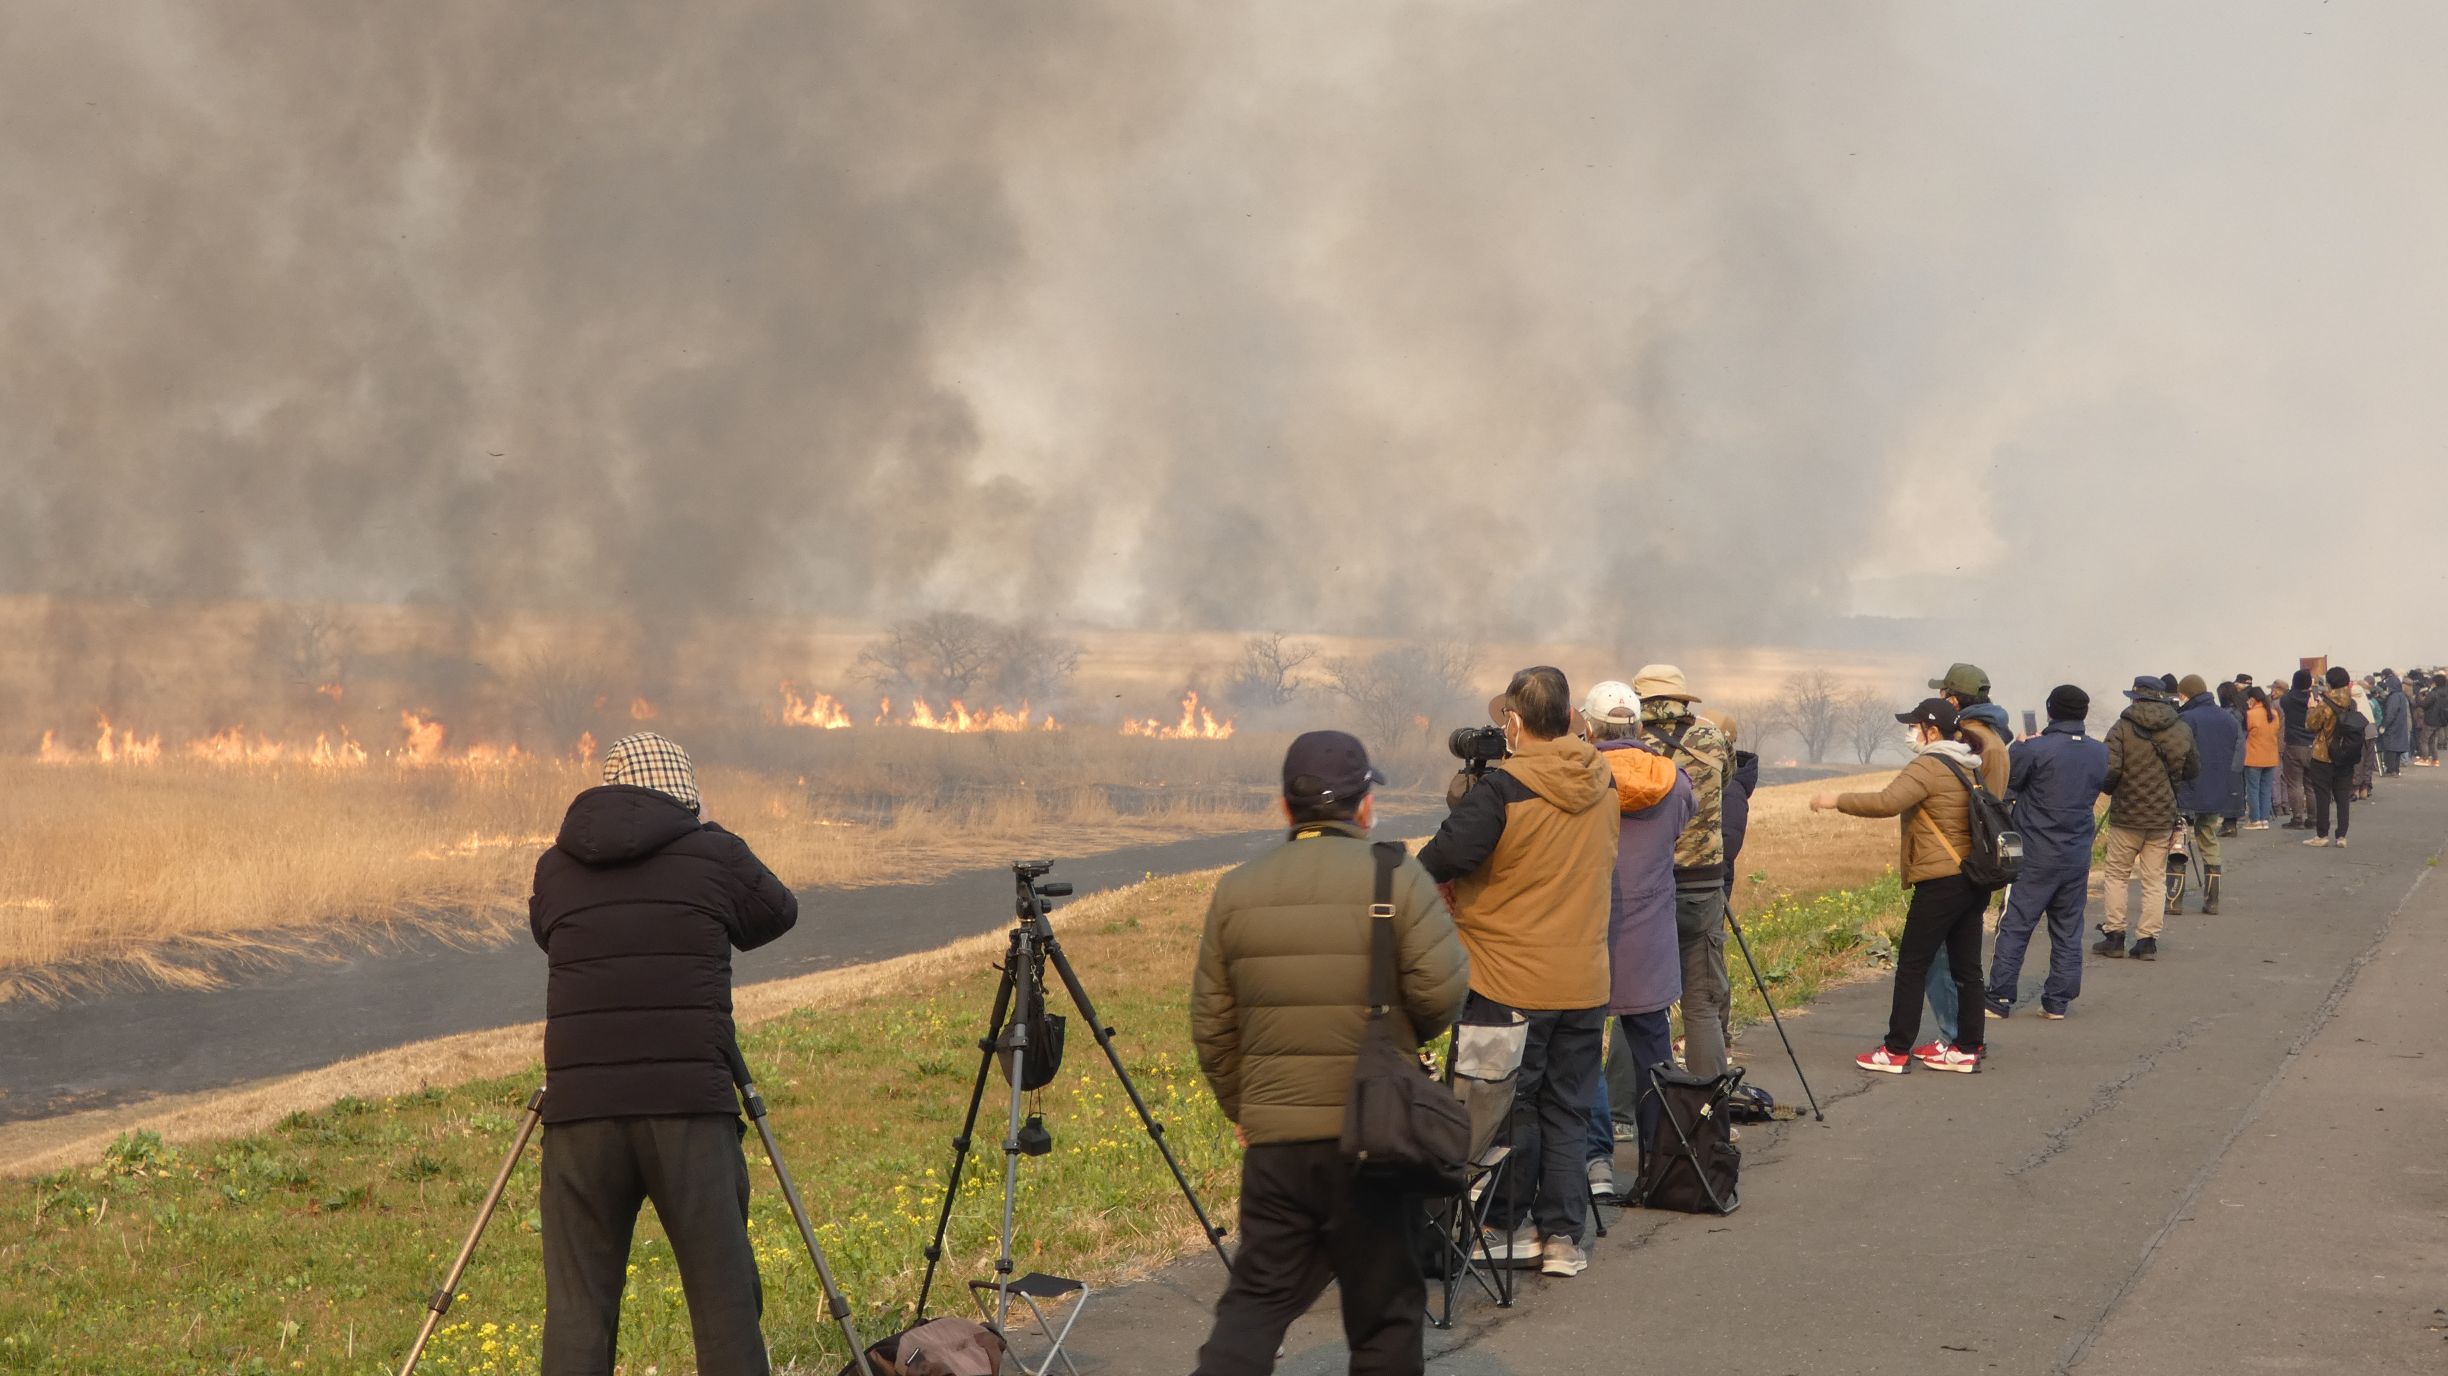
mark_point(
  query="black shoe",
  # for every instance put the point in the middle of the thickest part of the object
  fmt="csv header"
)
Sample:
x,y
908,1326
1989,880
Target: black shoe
x,y
1994,1009
2146,949
2296,824
2111,944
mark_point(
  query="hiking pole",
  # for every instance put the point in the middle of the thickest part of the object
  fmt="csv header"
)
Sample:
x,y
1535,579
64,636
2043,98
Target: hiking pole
x,y
835,1303
440,1303
1762,985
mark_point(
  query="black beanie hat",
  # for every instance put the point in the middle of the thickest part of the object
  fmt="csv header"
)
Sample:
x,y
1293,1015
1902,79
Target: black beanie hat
x,y
2068,703
2303,678
2338,677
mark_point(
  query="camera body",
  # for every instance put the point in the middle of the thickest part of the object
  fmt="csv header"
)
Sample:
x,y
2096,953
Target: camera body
x,y
1477,747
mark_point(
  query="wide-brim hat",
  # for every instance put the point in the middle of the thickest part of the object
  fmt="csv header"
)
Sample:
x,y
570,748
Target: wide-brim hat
x,y
1662,681
2147,688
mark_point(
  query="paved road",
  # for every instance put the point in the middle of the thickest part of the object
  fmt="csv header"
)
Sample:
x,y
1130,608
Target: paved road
x,y
2230,1160
132,1044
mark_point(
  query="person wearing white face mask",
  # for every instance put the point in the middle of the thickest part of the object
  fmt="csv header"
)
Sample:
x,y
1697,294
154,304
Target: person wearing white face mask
x,y
1931,797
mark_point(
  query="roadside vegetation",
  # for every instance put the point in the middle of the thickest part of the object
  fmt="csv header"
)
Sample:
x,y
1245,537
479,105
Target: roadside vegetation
x,y
311,1246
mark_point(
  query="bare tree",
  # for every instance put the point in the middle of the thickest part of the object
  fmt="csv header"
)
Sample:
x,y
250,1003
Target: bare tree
x,y
308,648
1870,723
941,655
1813,706
1398,693
556,695
1032,663
1268,673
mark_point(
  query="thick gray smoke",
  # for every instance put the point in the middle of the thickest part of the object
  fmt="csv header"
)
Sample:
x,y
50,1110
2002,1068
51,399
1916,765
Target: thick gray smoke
x,y
2097,338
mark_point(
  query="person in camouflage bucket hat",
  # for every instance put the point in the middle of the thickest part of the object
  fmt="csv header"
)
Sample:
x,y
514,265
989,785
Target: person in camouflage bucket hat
x,y
1692,741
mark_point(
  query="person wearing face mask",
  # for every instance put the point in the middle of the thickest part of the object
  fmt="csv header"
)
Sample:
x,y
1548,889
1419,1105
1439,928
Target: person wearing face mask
x,y
1932,802
1529,851
1986,730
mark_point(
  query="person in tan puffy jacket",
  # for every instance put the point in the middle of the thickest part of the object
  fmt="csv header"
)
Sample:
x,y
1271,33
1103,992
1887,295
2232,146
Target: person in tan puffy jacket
x,y
1933,806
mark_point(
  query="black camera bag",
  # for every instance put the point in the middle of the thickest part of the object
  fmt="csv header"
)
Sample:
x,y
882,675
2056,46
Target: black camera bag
x,y
1401,1127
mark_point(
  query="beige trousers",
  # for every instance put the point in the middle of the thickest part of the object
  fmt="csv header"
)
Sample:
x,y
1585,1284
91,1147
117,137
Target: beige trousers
x,y
2129,850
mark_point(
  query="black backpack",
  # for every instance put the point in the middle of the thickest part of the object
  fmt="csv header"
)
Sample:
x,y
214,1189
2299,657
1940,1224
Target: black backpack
x,y
2347,734
1694,1166
1996,855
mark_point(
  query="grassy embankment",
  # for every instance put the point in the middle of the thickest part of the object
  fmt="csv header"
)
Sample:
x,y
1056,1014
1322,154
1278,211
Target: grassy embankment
x,y
309,1246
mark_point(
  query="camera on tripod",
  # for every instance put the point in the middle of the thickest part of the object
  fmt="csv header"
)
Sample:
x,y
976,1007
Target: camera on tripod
x,y
1477,747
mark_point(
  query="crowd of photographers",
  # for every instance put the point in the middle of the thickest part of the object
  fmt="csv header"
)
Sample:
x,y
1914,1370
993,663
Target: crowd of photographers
x,y
1577,891
1587,864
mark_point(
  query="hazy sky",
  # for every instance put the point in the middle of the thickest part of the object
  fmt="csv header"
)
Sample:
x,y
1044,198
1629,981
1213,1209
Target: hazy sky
x,y
2102,334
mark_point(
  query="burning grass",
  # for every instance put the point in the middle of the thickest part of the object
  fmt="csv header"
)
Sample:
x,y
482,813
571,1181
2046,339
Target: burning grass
x,y
171,869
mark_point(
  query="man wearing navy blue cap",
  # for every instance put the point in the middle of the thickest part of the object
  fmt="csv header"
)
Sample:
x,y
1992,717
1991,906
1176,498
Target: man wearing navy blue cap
x,y
1278,1006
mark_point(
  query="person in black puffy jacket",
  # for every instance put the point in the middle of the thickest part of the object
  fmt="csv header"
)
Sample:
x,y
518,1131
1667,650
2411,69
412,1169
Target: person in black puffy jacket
x,y
638,906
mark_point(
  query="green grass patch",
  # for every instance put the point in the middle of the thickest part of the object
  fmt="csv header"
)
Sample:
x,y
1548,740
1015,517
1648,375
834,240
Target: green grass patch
x,y
312,1247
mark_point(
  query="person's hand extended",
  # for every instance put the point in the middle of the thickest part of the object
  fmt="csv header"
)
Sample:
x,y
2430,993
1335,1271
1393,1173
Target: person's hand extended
x,y
1823,802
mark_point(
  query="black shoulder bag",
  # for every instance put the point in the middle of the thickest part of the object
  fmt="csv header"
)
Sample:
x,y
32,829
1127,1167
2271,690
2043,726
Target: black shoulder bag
x,y
1401,1128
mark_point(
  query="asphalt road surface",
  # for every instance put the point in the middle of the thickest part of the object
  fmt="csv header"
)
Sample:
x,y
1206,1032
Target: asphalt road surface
x,y
2230,1160
127,1045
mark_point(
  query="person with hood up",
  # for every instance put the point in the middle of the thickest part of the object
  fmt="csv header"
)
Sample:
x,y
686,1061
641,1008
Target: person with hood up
x,y
2295,753
1654,800
2396,724
2203,799
1677,731
2261,732
1933,804
2150,754
1986,730
2332,779
1529,851
2055,781
638,906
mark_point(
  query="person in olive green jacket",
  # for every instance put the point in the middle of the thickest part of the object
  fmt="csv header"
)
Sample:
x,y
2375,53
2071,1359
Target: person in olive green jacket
x,y
1278,1007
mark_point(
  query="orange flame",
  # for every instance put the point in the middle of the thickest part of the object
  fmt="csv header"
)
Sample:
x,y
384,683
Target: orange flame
x,y
585,751
334,691
424,743
642,710
1196,724
820,712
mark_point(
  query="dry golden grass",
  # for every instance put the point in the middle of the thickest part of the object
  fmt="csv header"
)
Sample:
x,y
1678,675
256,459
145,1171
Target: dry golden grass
x,y
171,871
1793,850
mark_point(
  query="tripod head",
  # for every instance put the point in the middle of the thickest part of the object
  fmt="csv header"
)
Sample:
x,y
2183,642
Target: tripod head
x,y
1036,895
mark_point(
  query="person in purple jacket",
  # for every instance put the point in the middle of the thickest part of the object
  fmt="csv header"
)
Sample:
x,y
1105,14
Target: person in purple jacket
x,y
1643,954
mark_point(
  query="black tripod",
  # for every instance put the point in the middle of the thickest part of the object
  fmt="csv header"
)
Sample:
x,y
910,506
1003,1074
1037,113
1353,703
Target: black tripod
x,y
1735,924
835,1304
1019,1005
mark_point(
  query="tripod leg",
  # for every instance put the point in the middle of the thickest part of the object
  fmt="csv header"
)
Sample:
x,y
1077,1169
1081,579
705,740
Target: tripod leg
x,y
960,1144
440,1303
835,1302
1155,1130
1762,985
1025,992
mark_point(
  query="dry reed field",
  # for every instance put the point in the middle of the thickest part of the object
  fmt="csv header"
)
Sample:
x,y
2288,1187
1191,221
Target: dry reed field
x,y
168,870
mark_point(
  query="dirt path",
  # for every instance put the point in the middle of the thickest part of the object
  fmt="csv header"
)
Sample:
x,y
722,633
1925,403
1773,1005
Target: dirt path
x,y
126,1046
2226,1160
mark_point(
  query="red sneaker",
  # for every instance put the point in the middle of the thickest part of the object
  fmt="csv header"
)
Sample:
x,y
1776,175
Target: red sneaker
x,y
1953,1058
1927,1049
1884,1061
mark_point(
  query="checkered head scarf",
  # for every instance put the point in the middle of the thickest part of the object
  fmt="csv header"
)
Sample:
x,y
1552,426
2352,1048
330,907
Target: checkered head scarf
x,y
647,760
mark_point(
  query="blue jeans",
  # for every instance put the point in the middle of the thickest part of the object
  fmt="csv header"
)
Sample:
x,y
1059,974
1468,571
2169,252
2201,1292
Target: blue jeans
x,y
2258,781
1547,1179
1642,1041
1943,1000
2061,897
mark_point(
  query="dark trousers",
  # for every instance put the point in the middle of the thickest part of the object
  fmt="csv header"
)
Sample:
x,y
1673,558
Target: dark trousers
x,y
2060,898
2391,761
1305,1221
596,1174
2295,764
1548,1174
2332,782
1944,912
1642,1041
